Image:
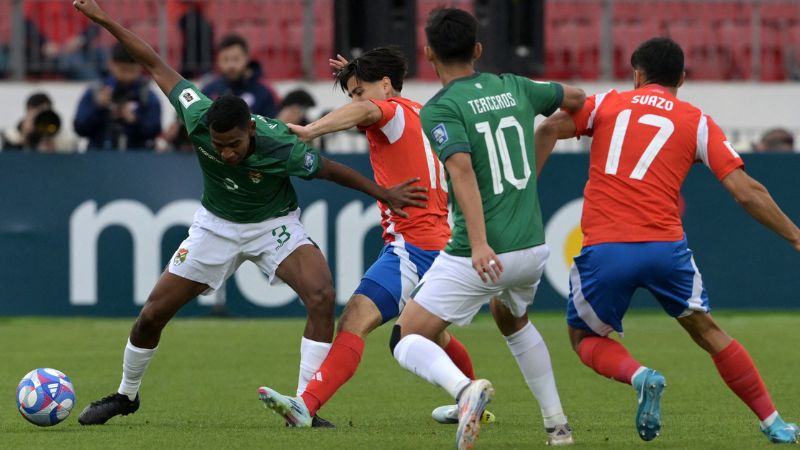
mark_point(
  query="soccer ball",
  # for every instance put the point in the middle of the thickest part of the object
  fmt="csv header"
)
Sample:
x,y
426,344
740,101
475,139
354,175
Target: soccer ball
x,y
45,397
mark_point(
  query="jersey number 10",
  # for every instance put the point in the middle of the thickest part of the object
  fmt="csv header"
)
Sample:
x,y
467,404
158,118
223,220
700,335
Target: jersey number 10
x,y
665,129
499,137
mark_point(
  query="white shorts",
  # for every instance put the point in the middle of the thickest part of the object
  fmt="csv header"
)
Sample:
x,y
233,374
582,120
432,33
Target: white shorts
x,y
454,292
217,247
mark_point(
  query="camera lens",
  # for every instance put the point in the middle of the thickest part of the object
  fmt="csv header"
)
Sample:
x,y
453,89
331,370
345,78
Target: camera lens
x,y
46,123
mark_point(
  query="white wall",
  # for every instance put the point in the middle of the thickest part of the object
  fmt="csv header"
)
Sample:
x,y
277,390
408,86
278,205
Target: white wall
x,y
743,110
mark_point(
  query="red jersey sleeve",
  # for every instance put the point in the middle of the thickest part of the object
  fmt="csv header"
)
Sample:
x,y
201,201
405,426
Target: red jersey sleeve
x,y
581,118
392,122
714,149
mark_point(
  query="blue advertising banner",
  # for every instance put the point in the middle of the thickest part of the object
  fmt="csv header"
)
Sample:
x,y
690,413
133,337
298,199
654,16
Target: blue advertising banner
x,y
90,234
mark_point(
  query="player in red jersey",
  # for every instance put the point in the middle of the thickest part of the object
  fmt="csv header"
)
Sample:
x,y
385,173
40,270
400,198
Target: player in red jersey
x,y
398,149
644,143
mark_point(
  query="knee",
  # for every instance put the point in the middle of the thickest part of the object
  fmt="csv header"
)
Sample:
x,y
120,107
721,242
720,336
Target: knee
x,y
321,301
506,322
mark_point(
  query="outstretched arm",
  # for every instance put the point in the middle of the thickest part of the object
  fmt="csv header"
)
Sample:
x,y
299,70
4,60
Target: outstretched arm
x,y
397,197
755,199
357,113
573,98
165,76
558,126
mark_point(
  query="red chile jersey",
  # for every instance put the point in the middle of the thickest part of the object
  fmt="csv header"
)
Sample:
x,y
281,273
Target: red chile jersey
x,y
398,150
644,143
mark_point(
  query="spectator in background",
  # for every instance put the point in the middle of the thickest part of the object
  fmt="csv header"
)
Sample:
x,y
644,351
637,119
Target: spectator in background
x,y
293,107
241,77
175,138
776,140
119,112
59,42
39,130
197,55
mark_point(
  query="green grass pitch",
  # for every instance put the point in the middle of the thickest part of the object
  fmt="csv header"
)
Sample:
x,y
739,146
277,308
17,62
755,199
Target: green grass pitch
x,y
200,390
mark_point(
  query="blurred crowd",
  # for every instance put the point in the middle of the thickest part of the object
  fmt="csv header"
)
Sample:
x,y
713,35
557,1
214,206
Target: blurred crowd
x,y
120,111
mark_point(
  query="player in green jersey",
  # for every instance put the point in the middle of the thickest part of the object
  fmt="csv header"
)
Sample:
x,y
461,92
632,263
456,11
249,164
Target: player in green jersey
x,y
481,126
249,213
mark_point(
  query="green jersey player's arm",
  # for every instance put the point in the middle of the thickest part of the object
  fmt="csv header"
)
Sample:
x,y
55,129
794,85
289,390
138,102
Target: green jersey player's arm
x,y
445,130
396,197
558,126
547,97
165,76
286,155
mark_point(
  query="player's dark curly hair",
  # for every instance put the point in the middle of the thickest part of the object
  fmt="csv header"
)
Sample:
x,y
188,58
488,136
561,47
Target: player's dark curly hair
x,y
227,112
375,64
661,59
452,34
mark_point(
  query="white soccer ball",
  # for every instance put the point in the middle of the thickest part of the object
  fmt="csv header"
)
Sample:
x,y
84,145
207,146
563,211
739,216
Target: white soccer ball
x,y
45,397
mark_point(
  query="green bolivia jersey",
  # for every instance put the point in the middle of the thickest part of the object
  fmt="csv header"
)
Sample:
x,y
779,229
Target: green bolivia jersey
x,y
259,187
491,118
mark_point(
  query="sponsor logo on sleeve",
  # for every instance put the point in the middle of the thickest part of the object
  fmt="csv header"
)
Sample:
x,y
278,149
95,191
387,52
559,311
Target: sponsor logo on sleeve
x,y
187,97
180,256
308,163
439,133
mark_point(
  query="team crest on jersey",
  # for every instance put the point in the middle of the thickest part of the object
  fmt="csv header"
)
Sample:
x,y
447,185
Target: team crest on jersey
x,y
255,177
308,163
439,134
180,256
187,97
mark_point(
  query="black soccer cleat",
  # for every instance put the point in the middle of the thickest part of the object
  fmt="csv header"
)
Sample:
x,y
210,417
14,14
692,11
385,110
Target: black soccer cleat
x,y
319,422
98,413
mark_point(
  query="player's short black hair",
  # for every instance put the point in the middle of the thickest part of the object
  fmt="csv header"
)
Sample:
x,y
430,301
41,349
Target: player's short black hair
x,y
120,55
227,112
299,97
231,40
661,59
375,64
38,99
452,34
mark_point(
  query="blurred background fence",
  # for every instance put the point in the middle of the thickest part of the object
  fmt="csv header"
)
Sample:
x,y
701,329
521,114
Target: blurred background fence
x,y
563,39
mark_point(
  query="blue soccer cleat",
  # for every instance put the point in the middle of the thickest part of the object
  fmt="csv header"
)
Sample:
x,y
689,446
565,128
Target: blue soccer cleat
x,y
649,385
781,432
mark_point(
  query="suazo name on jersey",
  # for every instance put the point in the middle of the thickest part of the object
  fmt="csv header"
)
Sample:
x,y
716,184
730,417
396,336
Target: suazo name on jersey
x,y
653,100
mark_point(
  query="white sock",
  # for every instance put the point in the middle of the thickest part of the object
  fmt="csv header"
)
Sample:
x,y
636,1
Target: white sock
x,y
429,361
766,423
636,374
533,359
134,363
312,353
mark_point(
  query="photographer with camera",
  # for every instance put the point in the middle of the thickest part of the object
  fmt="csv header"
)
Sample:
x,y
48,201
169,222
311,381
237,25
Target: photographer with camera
x,y
120,112
38,130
